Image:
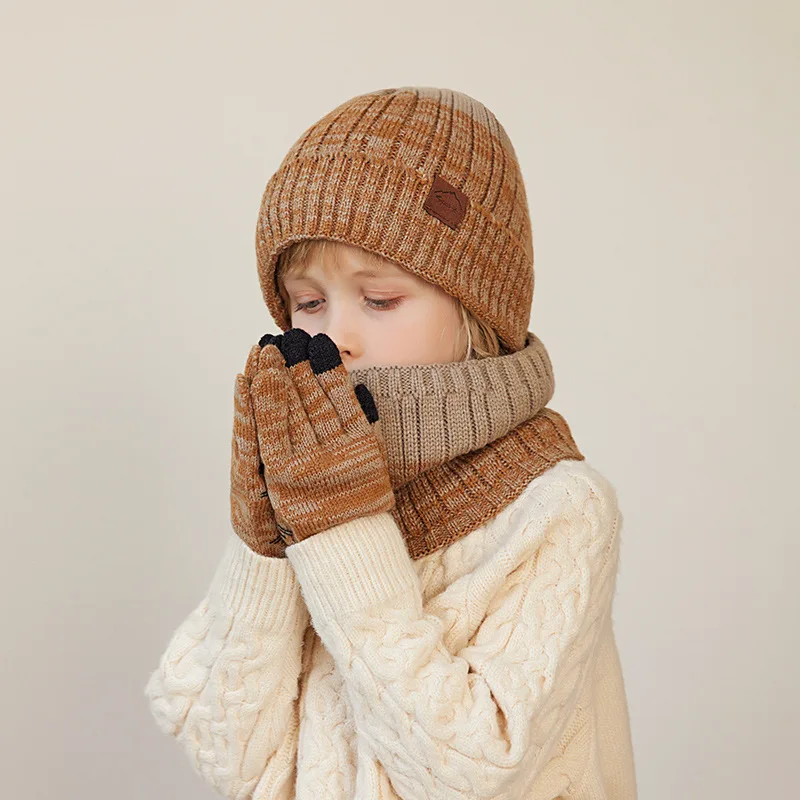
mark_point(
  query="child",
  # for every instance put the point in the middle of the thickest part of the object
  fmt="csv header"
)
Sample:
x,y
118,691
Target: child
x,y
416,598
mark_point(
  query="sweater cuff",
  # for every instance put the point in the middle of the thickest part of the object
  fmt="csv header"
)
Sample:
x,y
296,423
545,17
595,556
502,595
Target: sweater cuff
x,y
258,590
356,565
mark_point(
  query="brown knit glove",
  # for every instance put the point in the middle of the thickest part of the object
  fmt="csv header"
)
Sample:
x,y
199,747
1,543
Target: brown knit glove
x,y
252,516
319,438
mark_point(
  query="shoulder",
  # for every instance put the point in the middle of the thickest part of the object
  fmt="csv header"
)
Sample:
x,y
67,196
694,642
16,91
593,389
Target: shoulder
x,y
568,512
571,503
570,482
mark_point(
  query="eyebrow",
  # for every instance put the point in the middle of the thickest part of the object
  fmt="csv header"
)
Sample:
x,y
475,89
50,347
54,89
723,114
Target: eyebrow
x,y
370,272
375,273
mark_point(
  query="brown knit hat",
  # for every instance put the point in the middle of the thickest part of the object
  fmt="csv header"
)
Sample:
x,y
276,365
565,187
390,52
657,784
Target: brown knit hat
x,y
424,176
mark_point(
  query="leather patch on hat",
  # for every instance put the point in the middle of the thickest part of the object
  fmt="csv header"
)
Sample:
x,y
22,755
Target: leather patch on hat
x,y
446,203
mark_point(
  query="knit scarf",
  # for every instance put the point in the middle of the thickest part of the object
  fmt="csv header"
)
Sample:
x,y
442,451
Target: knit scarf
x,y
463,439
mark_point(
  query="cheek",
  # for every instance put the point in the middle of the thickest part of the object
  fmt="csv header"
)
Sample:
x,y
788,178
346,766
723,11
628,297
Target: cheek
x,y
411,322
427,333
439,313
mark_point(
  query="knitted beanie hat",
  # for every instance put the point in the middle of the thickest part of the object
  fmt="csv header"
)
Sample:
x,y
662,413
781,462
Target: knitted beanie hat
x,y
426,177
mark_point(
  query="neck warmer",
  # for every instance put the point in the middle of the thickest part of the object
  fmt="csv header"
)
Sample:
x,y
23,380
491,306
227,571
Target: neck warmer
x,y
463,439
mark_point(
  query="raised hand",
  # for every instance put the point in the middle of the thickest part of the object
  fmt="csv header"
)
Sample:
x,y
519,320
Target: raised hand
x,y
252,516
319,437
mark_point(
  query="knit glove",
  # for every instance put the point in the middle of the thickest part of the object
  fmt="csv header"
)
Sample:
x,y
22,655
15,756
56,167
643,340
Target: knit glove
x,y
252,516
319,437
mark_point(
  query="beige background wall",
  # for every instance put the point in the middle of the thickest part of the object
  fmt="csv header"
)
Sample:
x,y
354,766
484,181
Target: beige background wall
x,y
659,141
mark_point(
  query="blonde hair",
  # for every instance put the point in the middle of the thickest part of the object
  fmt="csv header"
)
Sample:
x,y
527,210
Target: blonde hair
x,y
480,340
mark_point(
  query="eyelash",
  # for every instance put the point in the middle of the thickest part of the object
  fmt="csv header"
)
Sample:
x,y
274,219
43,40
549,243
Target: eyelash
x,y
381,305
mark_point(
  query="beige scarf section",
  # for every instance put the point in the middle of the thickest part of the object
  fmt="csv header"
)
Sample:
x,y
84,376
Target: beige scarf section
x,y
464,439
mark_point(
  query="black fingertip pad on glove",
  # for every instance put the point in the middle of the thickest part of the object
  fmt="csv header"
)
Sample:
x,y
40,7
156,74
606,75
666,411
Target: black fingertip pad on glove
x,y
323,354
271,338
295,346
367,402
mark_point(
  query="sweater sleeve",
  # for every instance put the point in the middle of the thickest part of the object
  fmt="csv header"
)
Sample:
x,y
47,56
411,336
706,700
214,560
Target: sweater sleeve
x,y
477,722
226,687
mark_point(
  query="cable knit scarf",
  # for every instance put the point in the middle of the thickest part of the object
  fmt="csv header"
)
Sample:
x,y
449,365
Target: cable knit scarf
x,y
463,439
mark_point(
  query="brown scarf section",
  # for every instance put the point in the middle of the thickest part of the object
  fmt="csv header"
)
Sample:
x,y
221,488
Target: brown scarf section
x,y
464,439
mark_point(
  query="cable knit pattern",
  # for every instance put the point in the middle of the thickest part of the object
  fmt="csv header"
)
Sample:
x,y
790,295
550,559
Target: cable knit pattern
x,y
226,686
477,671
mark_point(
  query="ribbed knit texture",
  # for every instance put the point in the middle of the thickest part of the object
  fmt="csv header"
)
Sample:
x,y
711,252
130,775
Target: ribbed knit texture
x,y
433,413
486,669
363,174
463,439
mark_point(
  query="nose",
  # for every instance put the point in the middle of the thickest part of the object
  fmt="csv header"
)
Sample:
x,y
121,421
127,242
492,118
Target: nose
x,y
345,337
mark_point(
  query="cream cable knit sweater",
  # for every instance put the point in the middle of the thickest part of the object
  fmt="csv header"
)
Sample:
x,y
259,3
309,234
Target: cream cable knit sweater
x,y
487,669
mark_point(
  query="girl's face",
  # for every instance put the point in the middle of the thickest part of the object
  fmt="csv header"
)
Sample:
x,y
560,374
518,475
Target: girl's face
x,y
378,315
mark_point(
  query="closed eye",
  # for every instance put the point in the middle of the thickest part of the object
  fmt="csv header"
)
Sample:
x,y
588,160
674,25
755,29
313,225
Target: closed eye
x,y
380,305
